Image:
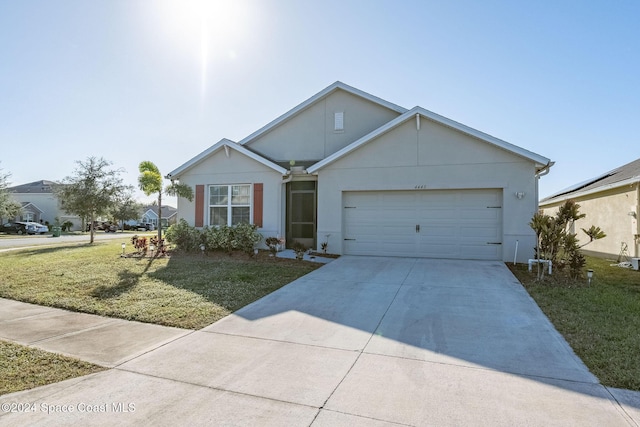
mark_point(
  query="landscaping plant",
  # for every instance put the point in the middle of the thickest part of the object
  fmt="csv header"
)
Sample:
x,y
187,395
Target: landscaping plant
x,y
555,241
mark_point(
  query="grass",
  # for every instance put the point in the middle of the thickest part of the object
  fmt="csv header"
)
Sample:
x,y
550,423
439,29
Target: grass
x,y
601,322
185,291
22,368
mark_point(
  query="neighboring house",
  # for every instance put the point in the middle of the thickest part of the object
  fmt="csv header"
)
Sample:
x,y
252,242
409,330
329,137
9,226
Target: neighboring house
x,y
370,178
611,201
150,215
40,204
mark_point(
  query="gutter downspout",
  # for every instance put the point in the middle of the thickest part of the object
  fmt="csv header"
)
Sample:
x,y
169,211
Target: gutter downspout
x,y
542,172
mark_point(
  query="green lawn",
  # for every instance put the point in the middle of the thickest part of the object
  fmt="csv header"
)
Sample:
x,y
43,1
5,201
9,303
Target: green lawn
x,y
185,291
601,322
22,368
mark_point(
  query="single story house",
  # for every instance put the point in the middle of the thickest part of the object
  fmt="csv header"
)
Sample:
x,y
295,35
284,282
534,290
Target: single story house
x,y
610,201
40,204
150,215
367,177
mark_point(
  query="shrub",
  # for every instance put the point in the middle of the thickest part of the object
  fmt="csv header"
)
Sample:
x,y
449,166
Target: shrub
x,y
299,249
185,237
242,237
272,243
555,241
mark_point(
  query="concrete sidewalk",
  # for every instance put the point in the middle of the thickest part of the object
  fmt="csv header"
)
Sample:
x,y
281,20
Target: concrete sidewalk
x,y
101,340
359,342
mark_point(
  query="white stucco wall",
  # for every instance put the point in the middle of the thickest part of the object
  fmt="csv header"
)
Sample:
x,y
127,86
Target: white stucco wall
x,y
236,169
434,157
310,135
608,210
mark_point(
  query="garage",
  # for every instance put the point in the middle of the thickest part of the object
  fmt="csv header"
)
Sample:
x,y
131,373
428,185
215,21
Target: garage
x,y
454,224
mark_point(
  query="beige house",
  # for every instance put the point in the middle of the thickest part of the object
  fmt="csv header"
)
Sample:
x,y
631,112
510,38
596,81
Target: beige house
x,y
368,177
40,204
611,201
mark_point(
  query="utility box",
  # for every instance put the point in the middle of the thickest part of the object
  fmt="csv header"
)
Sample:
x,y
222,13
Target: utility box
x,y
635,263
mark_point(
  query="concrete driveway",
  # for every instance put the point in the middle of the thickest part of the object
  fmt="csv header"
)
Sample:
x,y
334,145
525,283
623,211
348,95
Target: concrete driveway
x,y
359,342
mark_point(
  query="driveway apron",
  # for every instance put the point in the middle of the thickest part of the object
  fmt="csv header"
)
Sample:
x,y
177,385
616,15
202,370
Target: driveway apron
x,y
359,342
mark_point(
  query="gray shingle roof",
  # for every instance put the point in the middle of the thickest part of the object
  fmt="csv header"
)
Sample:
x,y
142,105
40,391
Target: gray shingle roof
x,y
623,173
42,186
167,211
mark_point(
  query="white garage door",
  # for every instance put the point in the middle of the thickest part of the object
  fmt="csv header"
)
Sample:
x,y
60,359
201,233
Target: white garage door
x,y
459,224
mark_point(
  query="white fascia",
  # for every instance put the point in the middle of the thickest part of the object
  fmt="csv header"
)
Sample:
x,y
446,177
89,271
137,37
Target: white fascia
x,y
562,198
218,146
540,161
315,98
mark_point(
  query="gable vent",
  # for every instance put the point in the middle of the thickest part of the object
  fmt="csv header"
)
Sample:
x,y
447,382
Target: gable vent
x,y
338,120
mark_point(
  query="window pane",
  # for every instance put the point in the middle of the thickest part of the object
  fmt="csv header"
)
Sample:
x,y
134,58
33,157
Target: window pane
x,y
302,207
304,231
218,194
218,216
303,185
240,215
240,194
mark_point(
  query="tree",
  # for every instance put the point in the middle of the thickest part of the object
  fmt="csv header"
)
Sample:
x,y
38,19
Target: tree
x,y
8,207
150,182
126,208
557,243
92,191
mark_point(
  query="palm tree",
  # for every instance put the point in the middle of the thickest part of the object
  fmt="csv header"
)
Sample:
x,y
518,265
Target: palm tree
x,y
150,182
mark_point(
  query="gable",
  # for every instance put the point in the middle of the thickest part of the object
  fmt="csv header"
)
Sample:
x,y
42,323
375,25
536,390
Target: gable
x,y
235,162
229,149
310,134
433,132
433,145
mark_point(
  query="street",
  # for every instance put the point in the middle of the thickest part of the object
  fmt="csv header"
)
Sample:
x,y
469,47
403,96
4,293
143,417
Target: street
x,y
11,242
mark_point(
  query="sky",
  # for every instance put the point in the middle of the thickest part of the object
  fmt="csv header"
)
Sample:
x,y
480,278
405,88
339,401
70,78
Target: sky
x,y
163,80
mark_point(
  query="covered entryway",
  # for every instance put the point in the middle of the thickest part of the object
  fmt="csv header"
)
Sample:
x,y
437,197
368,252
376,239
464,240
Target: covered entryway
x,y
301,213
456,224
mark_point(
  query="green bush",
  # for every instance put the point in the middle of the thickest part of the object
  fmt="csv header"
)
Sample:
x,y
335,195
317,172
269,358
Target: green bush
x,y
242,237
246,237
185,237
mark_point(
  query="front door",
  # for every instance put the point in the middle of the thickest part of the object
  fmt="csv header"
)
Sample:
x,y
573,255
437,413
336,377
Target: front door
x,y
301,213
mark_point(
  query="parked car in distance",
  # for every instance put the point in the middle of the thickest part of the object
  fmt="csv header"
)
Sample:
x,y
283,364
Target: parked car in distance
x,y
22,227
36,228
14,227
147,226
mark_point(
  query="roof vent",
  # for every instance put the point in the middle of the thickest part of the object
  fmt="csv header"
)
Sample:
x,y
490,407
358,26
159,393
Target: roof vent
x,y
338,121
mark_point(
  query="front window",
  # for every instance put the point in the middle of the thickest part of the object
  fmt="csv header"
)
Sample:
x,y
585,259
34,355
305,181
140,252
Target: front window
x,y
229,204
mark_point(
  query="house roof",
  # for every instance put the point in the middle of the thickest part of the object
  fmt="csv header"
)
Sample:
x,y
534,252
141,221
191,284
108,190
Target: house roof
x,y
24,205
621,176
43,186
166,212
225,144
540,161
315,98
